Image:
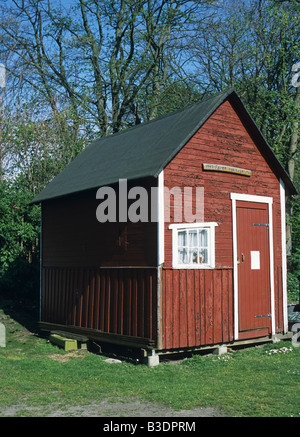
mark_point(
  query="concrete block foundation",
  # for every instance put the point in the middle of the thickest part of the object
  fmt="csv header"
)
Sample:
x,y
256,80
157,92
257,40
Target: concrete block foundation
x,y
152,359
220,350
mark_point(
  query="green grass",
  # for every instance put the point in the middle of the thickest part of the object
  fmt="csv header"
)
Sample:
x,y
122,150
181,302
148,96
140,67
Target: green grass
x,y
251,382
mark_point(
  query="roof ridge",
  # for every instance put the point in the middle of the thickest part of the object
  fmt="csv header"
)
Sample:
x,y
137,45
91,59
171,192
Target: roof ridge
x,y
143,153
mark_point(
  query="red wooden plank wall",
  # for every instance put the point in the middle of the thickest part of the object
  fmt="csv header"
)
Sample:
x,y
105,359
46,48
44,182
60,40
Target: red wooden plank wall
x,y
224,139
197,307
72,236
113,300
278,299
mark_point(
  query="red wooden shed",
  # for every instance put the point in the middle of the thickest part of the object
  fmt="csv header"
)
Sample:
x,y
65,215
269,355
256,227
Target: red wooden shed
x,y
163,281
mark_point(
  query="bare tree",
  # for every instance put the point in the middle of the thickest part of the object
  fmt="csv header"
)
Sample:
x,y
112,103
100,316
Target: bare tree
x,y
97,57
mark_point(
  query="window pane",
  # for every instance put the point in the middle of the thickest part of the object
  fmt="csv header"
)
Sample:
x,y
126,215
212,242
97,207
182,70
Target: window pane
x,y
203,238
182,240
182,256
203,256
193,256
193,238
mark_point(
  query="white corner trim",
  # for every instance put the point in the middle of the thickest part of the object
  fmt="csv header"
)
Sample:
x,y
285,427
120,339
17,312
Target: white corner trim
x,y
161,220
283,251
271,251
257,199
235,272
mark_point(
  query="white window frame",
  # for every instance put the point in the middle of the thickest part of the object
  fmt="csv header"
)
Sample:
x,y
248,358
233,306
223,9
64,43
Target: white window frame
x,y
176,227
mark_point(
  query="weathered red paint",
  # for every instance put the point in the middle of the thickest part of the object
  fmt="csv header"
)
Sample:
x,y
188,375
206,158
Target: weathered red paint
x,y
223,139
110,300
197,307
127,296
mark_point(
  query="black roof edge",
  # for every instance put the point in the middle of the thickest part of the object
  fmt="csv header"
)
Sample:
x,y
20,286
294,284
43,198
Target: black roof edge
x,y
222,97
232,93
279,167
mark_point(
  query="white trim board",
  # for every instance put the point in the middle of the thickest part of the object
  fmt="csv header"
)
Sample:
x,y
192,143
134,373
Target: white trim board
x,y
161,220
160,250
251,198
192,225
258,199
284,260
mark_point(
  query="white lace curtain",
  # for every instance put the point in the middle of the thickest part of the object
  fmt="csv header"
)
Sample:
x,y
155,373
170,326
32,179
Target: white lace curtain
x,y
193,246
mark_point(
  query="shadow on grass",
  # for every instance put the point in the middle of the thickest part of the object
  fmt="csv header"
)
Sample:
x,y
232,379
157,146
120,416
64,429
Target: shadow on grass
x,y
19,293
26,313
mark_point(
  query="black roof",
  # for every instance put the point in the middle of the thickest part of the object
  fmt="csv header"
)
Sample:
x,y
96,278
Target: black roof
x,y
141,151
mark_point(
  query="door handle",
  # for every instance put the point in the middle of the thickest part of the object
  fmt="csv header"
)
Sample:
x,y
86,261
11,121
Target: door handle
x,y
242,259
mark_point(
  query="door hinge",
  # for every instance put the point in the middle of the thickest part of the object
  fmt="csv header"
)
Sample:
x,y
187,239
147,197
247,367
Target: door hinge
x,y
264,315
261,224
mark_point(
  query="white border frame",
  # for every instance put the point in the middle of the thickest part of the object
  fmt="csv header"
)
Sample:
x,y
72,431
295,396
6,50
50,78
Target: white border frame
x,y
209,225
259,199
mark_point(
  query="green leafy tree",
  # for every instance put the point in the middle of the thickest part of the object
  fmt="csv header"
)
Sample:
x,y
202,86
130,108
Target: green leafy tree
x,y
19,239
253,46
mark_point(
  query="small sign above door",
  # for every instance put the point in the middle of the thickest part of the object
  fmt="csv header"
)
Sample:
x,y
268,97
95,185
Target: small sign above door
x,y
227,169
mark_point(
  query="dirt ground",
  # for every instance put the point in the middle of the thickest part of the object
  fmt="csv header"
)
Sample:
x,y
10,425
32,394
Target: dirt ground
x,y
106,408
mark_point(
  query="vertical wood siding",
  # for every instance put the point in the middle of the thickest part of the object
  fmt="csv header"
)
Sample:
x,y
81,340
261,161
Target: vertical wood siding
x,y
112,300
198,307
278,299
223,139
73,237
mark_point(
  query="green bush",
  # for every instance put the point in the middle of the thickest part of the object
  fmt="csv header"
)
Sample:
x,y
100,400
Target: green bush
x,y
292,288
21,280
19,240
